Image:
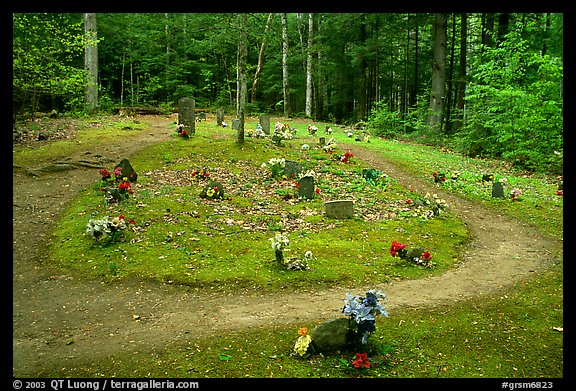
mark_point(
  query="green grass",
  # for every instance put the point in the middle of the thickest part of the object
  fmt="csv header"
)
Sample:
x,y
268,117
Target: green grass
x,y
508,336
538,206
512,335
178,234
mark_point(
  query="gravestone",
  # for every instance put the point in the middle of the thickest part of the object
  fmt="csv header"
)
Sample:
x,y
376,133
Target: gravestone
x,y
322,141
498,190
330,336
292,169
340,209
219,117
265,123
306,187
127,170
186,114
213,191
236,124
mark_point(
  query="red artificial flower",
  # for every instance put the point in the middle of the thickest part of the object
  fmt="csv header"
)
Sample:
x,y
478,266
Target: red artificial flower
x,y
121,217
125,186
560,192
105,173
206,174
361,361
132,221
408,201
426,256
396,246
317,190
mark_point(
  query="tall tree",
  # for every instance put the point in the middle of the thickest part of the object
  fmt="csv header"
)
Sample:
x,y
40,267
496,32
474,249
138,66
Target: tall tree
x,y
437,93
91,61
309,66
462,63
285,84
242,60
260,59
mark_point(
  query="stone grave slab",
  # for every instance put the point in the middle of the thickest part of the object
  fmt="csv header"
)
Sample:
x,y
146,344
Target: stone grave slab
x,y
498,190
340,209
219,117
264,121
127,171
236,124
292,169
187,114
306,187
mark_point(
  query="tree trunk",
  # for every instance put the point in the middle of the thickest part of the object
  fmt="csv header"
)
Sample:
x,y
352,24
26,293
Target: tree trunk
x,y
309,66
438,73
362,64
91,61
285,86
260,58
461,72
414,98
448,105
242,58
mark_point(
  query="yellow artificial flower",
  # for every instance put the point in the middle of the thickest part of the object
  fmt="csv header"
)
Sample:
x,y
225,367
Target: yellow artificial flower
x,y
301,346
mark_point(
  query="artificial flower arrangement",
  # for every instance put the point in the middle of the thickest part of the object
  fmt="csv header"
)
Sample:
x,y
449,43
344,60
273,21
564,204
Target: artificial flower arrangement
x,y
346,156
416,255
201,174
312,129
280,243
107,228
124,188
276,166
515,193
361,313
182,132
282,132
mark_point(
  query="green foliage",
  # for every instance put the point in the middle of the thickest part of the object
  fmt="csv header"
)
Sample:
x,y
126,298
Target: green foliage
x,y
384,122
45,58
516,107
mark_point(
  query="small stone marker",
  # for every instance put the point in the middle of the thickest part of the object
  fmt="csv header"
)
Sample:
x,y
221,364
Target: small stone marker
x,y
219,117
187,114
127,170
265,123
340,209
236,124
213,191
292,169
201,117
306,187
498,190
331,335
322,141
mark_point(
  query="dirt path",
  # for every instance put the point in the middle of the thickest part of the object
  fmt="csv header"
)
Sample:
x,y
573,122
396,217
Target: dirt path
x,y
60,322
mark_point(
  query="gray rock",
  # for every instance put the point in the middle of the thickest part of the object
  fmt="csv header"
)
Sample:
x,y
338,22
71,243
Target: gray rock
x,y
331,336
340,209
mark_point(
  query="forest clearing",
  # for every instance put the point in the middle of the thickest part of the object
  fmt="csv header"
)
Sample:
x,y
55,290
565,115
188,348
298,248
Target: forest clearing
x,y
175,223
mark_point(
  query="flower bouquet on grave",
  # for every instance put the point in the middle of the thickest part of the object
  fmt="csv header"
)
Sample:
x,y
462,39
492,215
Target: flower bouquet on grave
x,y
276,166
107,228
362,312
182,132
416,255
281,132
